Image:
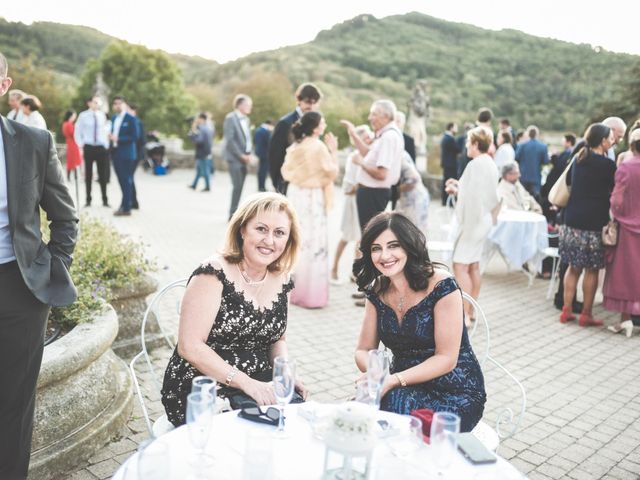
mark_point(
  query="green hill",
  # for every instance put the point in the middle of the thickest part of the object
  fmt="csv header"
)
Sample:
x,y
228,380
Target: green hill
x,y
555,84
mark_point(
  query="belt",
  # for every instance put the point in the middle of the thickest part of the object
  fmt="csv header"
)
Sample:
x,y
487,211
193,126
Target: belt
x,y
5,267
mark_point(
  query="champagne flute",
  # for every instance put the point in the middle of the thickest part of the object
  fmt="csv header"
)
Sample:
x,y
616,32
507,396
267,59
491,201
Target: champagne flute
x,y
207,385
284,381
199,417
377,372
445,428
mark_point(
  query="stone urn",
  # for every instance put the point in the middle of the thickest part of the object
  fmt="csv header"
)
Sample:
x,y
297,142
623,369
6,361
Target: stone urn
x,y
84,397
130,302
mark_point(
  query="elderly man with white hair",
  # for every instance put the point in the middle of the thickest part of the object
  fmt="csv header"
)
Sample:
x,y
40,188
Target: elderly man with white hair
x,y
619,128
381,161
514,196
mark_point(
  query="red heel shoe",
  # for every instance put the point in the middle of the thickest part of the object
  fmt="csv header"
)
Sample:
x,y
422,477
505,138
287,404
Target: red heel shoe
x,y
566,315
589,321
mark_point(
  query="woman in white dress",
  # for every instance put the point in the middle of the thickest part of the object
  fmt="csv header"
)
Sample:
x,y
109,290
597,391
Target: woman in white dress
x,y
350,224
505,153
310,166
476,210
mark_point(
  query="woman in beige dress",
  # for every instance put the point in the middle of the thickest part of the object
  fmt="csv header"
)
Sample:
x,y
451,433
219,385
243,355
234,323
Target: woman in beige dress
x,y
476,210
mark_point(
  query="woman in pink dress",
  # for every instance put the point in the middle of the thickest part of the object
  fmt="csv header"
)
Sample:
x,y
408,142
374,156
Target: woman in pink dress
x,y
621,291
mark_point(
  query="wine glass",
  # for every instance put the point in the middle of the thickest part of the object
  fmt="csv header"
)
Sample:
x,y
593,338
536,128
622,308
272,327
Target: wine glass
x,y
199,417
377,372
408,437
445,428
205,384
284,380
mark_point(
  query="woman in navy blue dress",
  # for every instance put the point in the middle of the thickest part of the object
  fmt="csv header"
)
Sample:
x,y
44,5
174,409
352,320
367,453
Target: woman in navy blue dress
x,y
416,310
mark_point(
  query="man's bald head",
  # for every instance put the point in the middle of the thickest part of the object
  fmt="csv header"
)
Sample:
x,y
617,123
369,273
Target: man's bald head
x,y
617,125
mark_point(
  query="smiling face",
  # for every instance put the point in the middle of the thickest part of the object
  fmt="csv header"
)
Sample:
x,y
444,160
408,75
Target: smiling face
x,y
387,255
265,237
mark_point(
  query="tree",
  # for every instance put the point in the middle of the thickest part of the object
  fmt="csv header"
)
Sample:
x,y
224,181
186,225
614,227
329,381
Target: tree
x,y
148,78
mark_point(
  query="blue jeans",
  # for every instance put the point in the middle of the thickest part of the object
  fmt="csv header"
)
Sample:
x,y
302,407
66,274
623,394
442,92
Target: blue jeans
x,y
203,167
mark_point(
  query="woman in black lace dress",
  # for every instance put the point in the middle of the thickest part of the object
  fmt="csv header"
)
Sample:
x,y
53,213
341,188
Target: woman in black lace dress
x,y
416,311
234,312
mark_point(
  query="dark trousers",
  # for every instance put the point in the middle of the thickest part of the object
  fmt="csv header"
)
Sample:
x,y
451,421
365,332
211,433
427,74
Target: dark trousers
x,y
98,155
238,173
370,202
134,194
263,170
124,171
449,172
22,324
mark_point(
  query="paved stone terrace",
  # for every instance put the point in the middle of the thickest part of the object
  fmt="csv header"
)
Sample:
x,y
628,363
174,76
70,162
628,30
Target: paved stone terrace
x,y
582,384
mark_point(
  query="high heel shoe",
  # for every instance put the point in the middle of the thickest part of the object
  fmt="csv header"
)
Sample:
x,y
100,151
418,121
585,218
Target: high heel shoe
x,y
566,315
588,321
627,326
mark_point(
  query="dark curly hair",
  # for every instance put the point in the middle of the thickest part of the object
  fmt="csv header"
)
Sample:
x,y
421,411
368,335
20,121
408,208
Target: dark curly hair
x,y
418,269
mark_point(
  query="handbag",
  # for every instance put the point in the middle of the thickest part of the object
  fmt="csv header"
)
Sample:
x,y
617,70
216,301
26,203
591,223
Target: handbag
x,y
610,234
560,192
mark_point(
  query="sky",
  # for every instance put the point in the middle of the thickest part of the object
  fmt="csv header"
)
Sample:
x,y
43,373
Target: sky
x,y
231,29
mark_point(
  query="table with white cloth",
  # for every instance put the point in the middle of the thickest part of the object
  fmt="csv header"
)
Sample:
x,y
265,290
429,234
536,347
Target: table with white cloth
x,y
520,237
301,455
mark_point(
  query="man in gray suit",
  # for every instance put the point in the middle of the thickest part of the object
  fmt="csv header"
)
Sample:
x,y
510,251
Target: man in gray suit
x,y
33,275
237,145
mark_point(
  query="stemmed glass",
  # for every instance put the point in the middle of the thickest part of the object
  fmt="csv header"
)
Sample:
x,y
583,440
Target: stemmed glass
x,y
377,372
408,438
445,428
207,385
284,381
199,417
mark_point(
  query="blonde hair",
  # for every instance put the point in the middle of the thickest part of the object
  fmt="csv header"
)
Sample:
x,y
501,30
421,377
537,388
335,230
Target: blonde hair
x,y
482,136
252,207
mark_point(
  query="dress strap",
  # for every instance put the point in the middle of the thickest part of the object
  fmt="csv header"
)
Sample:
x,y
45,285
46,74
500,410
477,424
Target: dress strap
x,y
444,287
208,269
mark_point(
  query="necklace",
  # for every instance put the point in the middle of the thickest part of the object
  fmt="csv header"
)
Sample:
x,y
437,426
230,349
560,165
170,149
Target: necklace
x,y
247,279
401,304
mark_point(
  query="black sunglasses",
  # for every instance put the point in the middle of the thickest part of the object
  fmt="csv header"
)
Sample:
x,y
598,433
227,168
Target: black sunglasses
x,y
253,413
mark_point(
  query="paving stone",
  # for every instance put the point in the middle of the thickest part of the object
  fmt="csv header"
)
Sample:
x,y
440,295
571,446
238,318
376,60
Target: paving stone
x,y
104,469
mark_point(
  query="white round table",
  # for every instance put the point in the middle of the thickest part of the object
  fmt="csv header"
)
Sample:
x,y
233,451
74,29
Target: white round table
x,y
301,456
520,237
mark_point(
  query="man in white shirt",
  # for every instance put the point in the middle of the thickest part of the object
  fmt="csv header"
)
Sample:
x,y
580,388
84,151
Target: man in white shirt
x,y
15,97
238,145
513,194
381,160
91,137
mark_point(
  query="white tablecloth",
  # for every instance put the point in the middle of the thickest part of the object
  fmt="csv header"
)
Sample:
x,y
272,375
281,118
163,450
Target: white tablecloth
x,y
520,237
302,455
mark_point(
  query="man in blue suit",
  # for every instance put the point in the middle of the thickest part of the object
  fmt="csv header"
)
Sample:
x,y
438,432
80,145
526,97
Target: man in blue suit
x,y
531,155
308,98
124,155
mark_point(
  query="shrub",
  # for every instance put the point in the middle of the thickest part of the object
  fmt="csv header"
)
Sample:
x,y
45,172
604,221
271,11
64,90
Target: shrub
x,y
103,260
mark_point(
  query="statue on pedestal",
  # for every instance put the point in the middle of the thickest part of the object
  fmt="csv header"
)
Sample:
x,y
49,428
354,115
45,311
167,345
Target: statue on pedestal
x,y
419,114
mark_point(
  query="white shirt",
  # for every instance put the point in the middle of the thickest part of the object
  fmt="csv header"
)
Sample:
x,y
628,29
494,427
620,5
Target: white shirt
x,y
6,245
16,115
90,129
385,151
244,123
34,119
504,155
117,123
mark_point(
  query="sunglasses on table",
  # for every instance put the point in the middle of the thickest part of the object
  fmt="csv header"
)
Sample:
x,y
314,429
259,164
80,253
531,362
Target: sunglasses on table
x,y
253,413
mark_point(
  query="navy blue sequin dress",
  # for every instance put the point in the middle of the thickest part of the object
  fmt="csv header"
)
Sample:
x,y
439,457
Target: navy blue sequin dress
x,y
460,391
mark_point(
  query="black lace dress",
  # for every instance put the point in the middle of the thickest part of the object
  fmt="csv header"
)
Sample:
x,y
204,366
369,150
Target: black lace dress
x,y
242,335
460,391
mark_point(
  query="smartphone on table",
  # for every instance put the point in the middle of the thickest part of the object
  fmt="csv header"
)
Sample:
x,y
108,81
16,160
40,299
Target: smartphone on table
x,y
474,450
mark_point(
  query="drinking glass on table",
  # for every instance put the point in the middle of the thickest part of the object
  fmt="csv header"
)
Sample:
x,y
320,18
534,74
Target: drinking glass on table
x,y
284,382
377,373
199,417
205,384
445,428
406,438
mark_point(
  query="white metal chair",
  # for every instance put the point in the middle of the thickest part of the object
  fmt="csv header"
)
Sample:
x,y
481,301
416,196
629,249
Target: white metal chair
x,y
507,421
161,425
553,253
